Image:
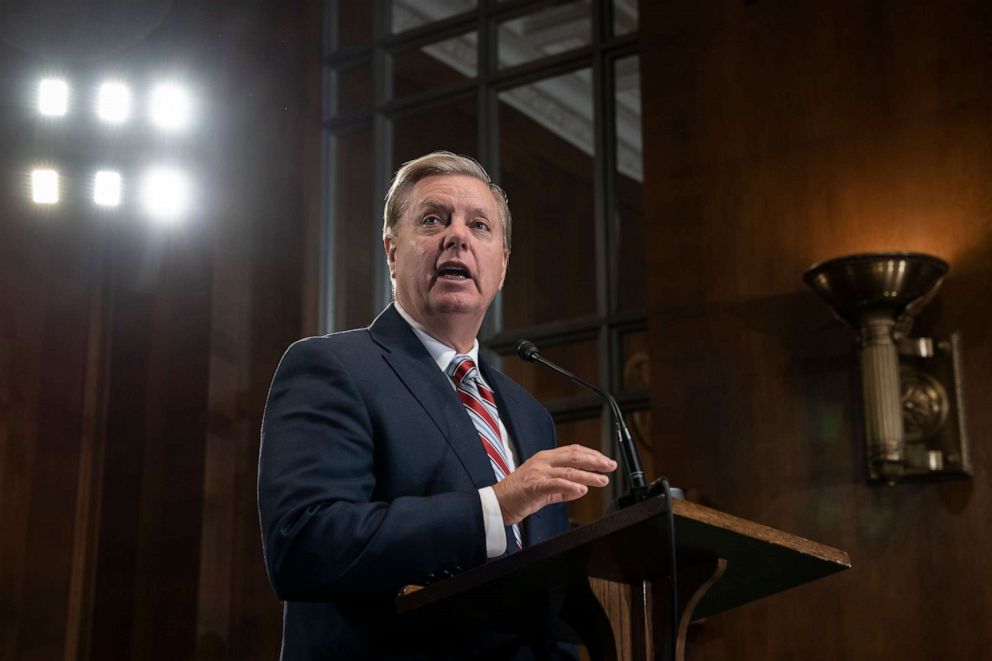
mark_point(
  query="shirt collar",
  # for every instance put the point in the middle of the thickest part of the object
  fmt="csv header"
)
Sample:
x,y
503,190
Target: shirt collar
x,y
439,351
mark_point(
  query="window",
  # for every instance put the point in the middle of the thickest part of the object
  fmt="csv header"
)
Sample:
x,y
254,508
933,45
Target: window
x,y
546,96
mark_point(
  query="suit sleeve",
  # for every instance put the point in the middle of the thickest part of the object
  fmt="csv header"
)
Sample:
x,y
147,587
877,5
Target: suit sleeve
x,y
323,535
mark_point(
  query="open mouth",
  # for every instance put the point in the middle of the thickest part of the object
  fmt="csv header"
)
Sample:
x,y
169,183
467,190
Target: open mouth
x,y
453,272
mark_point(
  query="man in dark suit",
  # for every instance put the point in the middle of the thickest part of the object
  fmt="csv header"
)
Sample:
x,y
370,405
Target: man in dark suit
x,y
392,454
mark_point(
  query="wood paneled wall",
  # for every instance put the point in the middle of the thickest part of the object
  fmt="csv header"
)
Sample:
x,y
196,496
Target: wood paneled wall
x,y
778,134
134,360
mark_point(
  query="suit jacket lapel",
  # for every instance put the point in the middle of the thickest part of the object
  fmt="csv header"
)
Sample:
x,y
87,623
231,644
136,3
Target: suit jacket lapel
x,y
414,366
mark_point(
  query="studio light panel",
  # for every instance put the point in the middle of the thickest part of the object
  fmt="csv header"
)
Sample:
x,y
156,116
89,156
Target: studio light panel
x,y
170,107
165,193
44,186
162,193
107,188
113,104
53,97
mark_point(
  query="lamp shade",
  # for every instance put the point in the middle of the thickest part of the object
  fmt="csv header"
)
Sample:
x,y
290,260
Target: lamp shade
x,y
875,283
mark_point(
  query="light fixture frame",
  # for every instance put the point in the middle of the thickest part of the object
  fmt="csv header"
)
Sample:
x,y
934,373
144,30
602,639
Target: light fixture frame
x,y
908,383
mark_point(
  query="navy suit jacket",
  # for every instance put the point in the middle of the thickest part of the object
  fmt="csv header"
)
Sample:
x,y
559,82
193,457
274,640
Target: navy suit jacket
x,y
368,481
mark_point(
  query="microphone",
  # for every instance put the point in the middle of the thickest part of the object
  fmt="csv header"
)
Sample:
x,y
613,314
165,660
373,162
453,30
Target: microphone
x,y
527,351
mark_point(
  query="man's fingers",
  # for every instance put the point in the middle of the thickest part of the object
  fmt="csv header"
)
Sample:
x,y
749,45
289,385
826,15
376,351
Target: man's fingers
x,y
569,483
558,490
580,476
579,456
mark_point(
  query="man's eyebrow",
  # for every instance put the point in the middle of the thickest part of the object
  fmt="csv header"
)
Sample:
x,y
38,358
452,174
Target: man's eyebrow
x,y
432,205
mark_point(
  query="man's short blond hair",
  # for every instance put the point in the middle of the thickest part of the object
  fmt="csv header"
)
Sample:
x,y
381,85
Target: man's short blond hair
x,y
436,164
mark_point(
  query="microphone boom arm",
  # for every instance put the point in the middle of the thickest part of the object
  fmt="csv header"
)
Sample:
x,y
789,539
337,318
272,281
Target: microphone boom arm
x,y
528,351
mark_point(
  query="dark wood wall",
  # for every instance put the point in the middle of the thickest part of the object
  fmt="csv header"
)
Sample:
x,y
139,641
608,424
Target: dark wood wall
x,y
778,134
134,360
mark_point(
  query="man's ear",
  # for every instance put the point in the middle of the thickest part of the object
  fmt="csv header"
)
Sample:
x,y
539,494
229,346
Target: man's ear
x,y
506,263
389,245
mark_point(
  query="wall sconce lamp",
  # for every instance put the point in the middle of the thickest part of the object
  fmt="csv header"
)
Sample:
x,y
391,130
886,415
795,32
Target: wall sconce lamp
x,y
914,421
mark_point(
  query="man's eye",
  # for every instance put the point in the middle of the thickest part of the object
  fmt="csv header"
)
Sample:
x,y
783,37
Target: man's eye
x,y
480,225
431,220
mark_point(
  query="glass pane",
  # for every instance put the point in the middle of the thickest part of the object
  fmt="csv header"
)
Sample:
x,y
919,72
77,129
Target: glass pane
x,y
628,181
546,167
355,228
550,31
450,126
546,385
624,16
354,23
585,432
449,61
354,90
408,14
636,366
635,374
639,424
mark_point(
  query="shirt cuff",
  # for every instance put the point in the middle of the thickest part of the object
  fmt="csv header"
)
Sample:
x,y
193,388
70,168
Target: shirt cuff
x,y
492,519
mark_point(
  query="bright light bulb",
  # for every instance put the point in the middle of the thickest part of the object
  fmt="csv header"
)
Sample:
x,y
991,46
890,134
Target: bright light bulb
x,y
107,188
165,194
53,97
170,107
113,103
45,186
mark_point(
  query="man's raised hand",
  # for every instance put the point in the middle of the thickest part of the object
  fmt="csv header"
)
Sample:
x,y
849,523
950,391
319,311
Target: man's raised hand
x,y
552,476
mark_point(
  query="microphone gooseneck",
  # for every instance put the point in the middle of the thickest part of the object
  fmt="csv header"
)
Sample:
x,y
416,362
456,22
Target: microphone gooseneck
x,y
528,351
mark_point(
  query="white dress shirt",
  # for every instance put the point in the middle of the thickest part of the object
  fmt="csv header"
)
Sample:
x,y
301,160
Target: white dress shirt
x,y
491,513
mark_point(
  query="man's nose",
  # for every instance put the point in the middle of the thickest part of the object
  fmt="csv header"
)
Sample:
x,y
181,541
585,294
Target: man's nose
x,y
457,236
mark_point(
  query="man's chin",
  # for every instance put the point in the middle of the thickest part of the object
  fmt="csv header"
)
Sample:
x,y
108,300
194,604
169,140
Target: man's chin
x,y
459,304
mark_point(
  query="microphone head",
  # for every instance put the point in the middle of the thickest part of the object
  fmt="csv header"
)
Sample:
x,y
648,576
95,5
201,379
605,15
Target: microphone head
x,y
527,350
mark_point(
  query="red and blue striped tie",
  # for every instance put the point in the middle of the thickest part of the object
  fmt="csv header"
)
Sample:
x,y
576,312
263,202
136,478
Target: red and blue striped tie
x,y
481,406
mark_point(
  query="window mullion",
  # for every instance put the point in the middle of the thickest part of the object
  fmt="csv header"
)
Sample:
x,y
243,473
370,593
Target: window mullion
x,y
382,141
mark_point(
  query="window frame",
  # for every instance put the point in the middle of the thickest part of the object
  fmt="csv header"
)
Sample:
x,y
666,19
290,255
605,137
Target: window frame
x,y
609,324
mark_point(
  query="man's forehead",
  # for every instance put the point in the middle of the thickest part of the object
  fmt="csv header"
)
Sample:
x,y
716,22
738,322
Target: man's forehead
x,y
448,191
443,203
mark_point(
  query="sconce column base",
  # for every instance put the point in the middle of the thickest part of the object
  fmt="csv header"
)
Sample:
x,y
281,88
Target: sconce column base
x,y
879,359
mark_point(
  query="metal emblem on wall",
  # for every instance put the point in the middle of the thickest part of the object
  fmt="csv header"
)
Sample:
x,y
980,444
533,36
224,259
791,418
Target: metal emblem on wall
x,y
932,410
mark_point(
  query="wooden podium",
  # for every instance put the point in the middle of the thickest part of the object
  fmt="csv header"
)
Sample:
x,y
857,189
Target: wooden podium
x,y
606,585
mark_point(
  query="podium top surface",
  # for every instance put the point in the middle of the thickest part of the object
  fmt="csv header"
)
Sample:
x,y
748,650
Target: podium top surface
x,y
631,545
761,560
